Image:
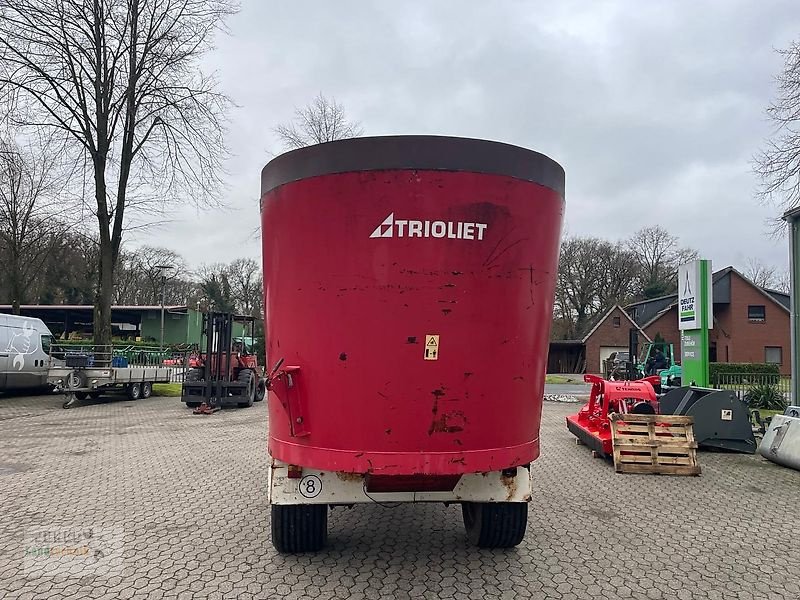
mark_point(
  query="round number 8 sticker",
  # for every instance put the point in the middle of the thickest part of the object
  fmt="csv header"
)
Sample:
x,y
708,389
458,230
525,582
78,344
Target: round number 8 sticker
x,y
310,486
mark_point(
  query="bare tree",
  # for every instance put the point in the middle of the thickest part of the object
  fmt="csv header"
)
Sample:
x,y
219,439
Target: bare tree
x,y
659,255
766,276
581,275
323,120
138,279
120,80
148,260
761,274
70,274
783,282
778,164
244,276
127,280
621,277
30,181
593,275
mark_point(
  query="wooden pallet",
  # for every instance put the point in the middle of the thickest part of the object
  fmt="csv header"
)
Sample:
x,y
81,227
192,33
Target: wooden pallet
x,y
662,444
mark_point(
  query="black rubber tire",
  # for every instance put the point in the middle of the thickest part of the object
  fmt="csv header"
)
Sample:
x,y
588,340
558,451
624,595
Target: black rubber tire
x,y
134,391
76,379
147,389
261,390
299,527
495,524
193,404
247,376
194,375
81,395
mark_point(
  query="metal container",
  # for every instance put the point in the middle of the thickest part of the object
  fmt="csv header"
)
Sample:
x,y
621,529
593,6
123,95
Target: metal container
x,y
408,285
781,443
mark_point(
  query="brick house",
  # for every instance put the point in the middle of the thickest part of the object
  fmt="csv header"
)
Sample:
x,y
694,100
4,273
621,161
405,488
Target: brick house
x,y
607,333
751,324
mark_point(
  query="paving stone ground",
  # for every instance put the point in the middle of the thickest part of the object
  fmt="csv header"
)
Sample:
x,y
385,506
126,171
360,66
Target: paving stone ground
x,y
184,499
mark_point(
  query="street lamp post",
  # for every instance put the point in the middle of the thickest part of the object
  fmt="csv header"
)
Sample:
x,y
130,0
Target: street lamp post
x,y
792,217
163,271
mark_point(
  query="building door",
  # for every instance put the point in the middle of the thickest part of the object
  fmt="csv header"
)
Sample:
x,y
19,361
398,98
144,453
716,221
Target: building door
x,y
605,352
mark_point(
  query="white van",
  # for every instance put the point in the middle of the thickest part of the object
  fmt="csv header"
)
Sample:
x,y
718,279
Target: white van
x,y
24,349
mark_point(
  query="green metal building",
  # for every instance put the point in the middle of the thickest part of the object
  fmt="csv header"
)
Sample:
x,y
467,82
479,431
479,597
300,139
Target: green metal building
x,y
182,325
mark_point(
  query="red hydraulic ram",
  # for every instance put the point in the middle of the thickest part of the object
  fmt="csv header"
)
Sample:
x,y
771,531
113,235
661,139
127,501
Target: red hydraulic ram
x,y
408,285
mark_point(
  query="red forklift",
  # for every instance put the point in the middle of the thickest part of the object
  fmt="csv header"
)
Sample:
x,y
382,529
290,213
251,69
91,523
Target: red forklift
x,y
227,373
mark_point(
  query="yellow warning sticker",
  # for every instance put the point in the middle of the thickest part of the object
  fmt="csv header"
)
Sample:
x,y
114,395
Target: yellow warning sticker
x,y
431,347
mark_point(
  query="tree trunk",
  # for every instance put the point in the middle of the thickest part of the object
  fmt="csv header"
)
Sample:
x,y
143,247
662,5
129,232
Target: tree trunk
x,y
102,302
15,283
105,258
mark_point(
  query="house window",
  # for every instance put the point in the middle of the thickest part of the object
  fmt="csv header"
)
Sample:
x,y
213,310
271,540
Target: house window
x,y
616,321
773,355
756,313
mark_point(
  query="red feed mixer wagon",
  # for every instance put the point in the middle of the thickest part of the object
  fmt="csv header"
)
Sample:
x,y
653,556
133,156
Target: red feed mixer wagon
x,y
408,286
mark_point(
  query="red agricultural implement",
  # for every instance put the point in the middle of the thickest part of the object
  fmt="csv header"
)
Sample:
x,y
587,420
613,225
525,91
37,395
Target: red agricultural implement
x,y
721,420
592,424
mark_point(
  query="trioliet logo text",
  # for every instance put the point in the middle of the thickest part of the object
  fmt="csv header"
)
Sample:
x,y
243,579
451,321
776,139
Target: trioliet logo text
x,y
454,230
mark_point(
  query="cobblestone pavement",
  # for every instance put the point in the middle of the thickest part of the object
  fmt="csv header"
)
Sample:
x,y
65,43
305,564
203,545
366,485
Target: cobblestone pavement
x,y
184,499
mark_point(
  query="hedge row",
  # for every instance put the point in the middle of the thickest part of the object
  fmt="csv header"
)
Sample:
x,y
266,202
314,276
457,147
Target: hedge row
x,y
735,373
750,368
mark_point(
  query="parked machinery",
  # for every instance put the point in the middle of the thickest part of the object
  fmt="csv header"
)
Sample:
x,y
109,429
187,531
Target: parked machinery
x,y
721,420
781,443
82,371
408,284
592,424
227,373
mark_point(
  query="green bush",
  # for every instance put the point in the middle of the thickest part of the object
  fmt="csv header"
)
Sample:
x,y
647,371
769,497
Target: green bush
x,y
766,396
738,372
743,368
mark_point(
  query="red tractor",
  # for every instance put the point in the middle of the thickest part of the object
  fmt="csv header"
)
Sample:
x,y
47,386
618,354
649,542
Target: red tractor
x,y
227,373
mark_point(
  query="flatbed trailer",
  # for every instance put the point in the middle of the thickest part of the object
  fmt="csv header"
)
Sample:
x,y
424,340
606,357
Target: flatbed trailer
x,y
83,372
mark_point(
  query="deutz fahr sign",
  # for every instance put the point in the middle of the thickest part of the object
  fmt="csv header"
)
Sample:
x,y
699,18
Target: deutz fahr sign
x,y
695,318
690,294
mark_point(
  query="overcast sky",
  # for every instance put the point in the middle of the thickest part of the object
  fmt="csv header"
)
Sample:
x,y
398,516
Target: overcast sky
x,y
654,109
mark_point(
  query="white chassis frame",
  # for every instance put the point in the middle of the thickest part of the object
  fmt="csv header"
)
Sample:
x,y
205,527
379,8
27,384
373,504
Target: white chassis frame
x,y
332,487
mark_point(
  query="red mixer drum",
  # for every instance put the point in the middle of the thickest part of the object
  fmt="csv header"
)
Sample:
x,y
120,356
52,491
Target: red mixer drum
x,y
408,287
